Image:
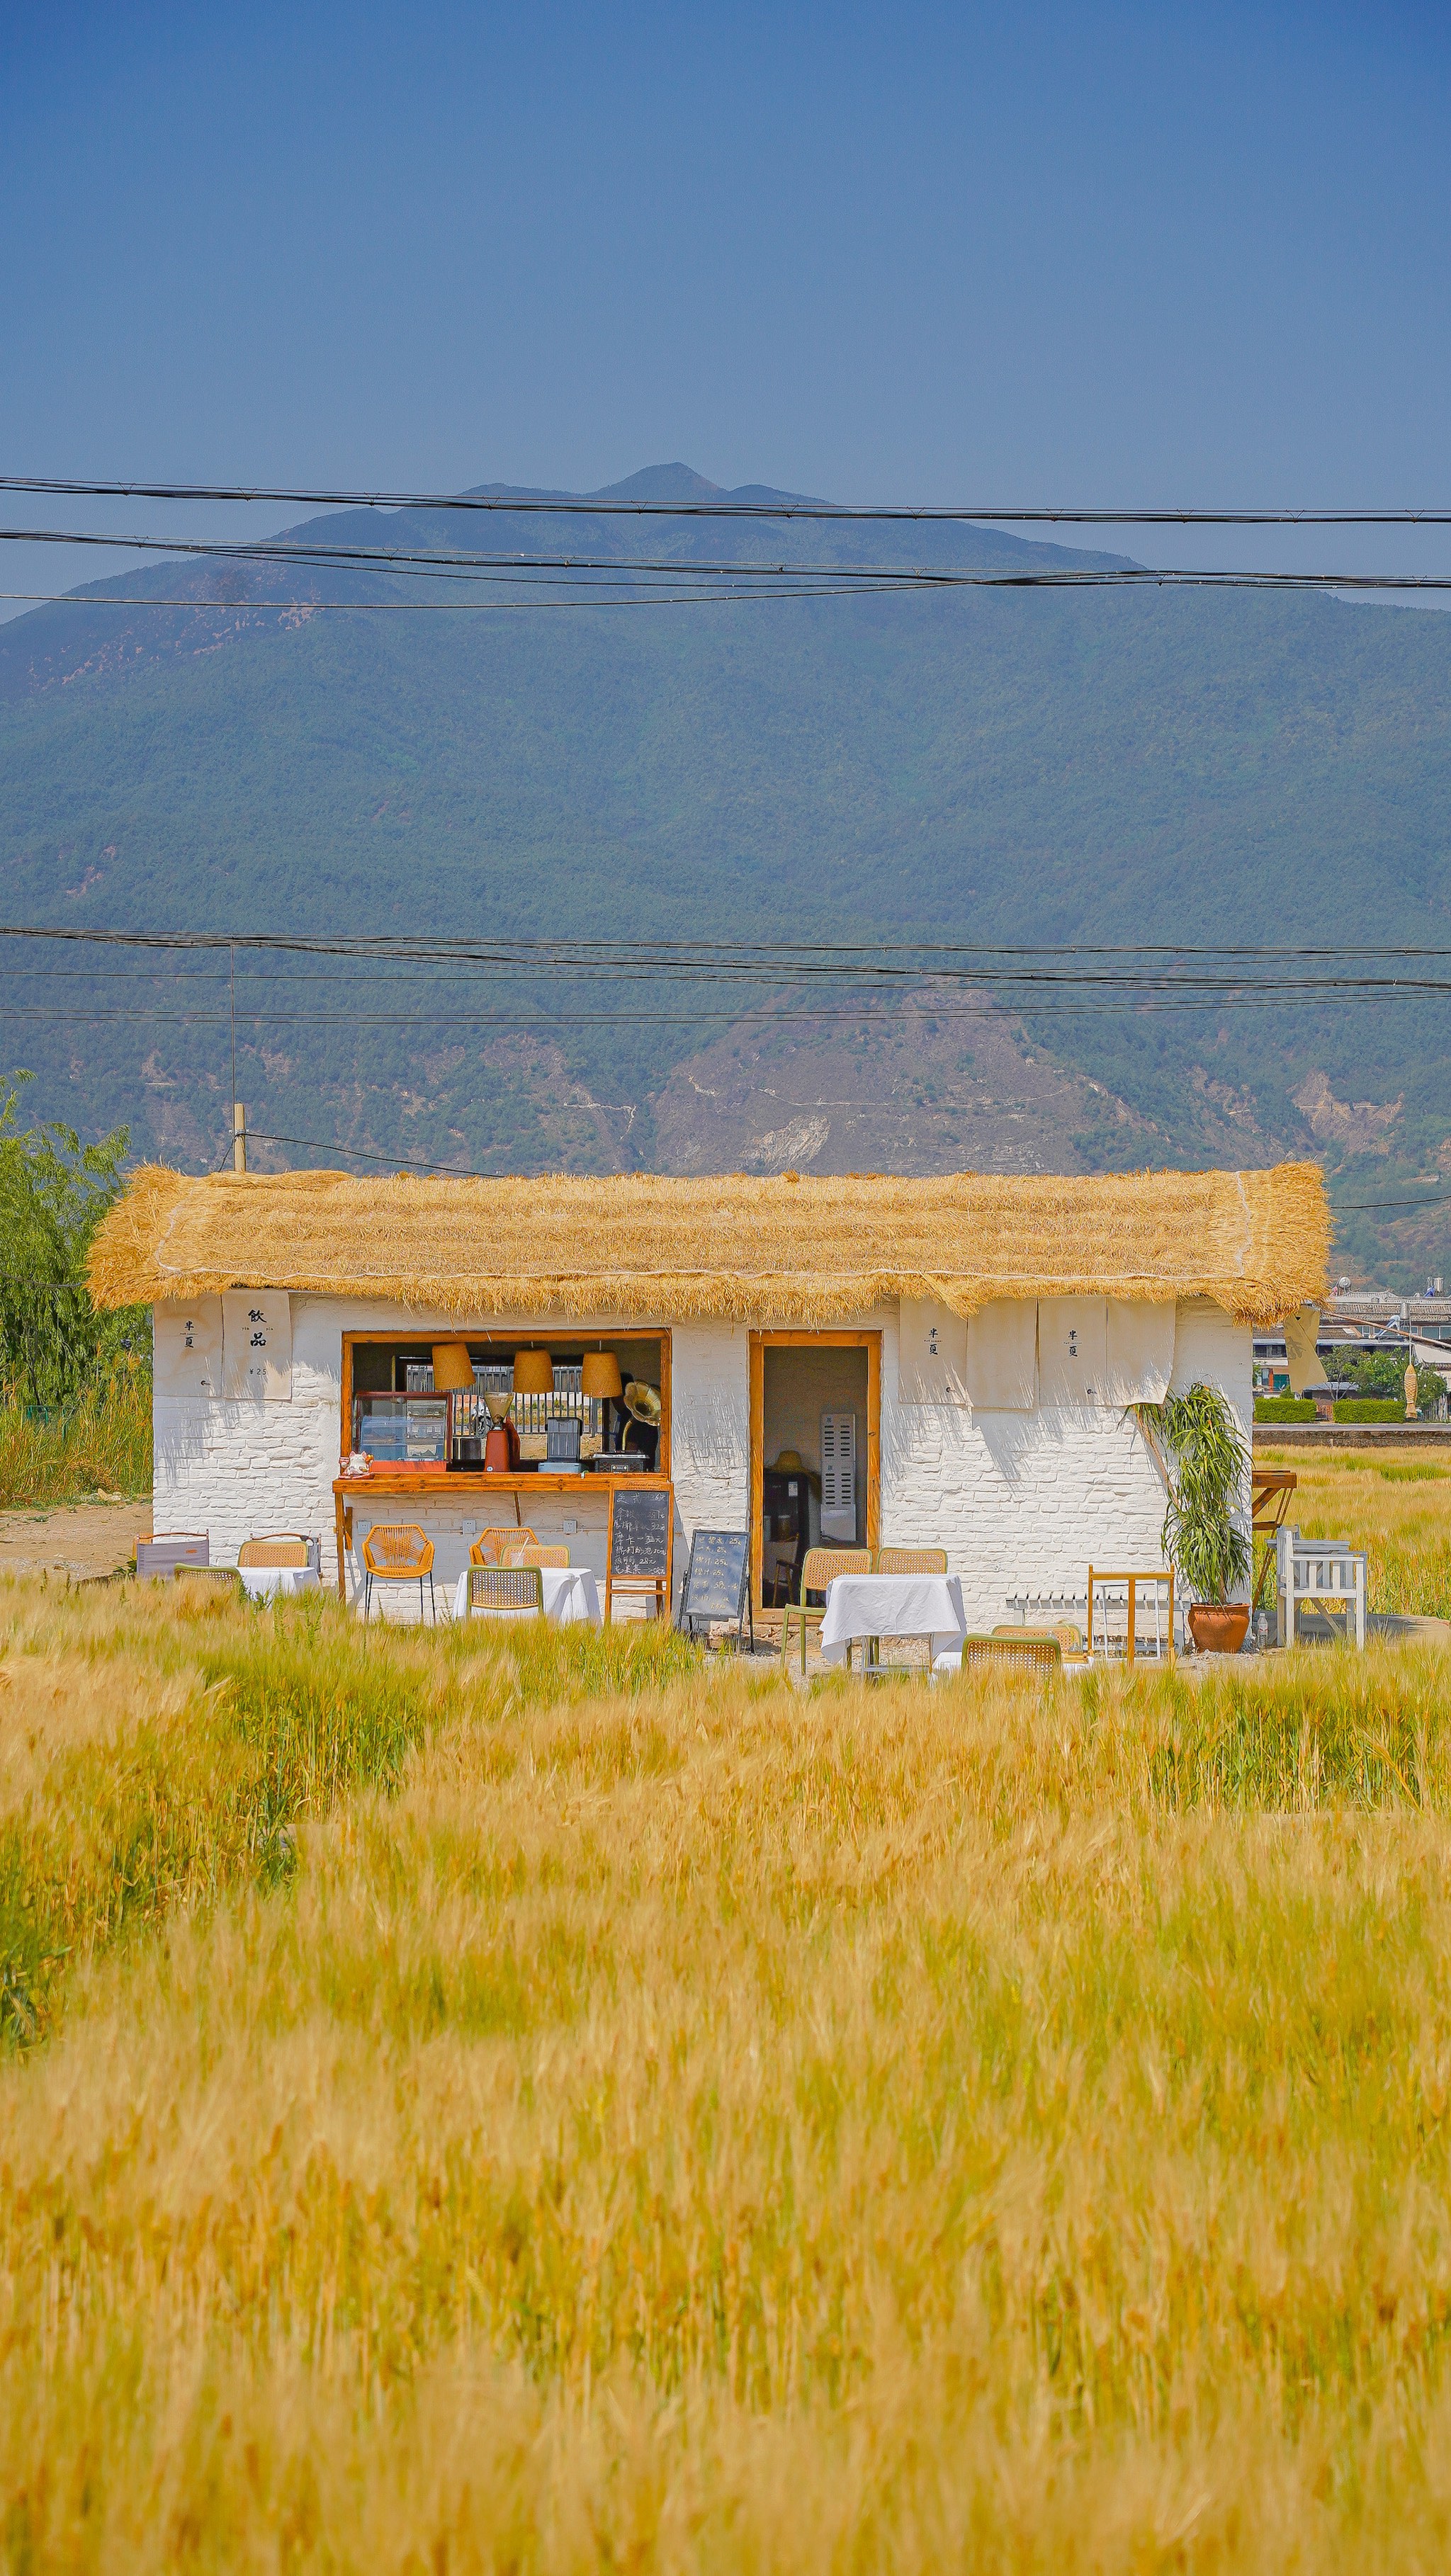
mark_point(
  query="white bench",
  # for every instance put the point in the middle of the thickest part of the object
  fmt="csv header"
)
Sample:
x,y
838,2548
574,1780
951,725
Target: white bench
x,y
1325,1570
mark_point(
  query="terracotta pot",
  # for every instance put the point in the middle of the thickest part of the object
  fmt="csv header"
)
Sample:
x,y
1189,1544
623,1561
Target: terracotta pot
x,y
1218,1627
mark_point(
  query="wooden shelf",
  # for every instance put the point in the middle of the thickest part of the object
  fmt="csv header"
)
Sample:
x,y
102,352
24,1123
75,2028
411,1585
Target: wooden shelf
x,y
441,1484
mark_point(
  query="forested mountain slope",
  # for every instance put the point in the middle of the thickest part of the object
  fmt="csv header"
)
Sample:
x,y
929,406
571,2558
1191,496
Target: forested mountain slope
x,y
1001,766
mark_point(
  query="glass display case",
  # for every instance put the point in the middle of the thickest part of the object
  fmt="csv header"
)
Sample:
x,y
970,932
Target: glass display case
x,y
402,1430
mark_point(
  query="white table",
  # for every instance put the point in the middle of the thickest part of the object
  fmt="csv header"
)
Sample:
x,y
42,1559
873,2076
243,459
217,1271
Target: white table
x,y
269,1582
570,1594
891,1605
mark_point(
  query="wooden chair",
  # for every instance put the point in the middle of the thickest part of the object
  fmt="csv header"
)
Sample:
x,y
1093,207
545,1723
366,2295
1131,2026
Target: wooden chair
x,y
506,1591
1070,1638
1270,1492
207,1578
488,1547
533,1554
282,1547
820,1566
398,1552
900,1560
1022,1648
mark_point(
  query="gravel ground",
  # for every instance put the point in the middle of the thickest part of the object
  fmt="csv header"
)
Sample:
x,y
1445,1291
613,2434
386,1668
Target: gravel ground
x,y
72,1538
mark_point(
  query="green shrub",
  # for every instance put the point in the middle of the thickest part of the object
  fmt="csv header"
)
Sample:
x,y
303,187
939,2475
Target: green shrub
x,y
1284,1408
1368,1408
1383,1373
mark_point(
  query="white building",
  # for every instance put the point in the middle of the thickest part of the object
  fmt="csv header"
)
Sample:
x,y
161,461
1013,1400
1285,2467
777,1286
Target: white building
x,y
973,1347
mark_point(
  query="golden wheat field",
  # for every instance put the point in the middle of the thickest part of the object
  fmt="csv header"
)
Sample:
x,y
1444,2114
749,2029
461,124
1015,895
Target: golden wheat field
x,y
1396,1502
538,2102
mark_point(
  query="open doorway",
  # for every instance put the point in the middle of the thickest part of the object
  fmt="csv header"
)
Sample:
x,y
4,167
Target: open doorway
x,y
815,1452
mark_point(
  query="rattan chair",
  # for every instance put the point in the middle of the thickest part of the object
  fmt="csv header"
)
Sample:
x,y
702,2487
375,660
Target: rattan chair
x,y
398,1552
489,1546
280,1547
197,1579
506,1591
820,1566
1069,1637
1022,1648
533,1554
911,1560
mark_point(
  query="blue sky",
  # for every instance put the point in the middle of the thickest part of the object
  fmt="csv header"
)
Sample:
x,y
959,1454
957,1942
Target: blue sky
x,y
1099,252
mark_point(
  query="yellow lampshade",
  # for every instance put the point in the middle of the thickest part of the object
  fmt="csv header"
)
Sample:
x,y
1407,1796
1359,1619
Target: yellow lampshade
x,y
453,1370
533,1373
601,1374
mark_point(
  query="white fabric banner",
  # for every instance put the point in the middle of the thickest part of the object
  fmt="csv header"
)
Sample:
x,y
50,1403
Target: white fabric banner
x,y
257,1344
1001,1353
1072,1350
1139,1360
1303,1361
186,1348
931,1354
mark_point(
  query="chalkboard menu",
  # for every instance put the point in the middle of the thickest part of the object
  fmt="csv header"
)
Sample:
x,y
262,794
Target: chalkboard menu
x,y
717,1579
641,1543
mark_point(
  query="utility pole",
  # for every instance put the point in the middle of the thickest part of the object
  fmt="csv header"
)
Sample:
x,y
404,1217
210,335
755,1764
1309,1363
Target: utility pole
x,y
239,1137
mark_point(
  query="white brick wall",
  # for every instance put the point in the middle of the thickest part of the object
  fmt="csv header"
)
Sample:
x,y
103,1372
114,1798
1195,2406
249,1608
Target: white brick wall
x,y
1020,1501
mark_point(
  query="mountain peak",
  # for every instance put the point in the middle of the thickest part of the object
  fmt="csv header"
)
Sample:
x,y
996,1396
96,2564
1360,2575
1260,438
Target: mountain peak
x,y
660,483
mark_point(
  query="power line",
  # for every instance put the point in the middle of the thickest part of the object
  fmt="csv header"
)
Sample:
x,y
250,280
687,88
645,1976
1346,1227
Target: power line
x,y
360,1154
812,580
707,956
726,506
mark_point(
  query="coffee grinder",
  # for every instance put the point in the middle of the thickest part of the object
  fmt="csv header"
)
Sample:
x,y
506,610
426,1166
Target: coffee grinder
x,y
501,1447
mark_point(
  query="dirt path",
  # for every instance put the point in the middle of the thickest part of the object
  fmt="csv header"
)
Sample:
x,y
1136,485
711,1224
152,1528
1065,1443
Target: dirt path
x,y
71,1538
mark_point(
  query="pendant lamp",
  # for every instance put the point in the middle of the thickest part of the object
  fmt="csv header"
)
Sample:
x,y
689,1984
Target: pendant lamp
x,y
533,1373
453,1370
600,1375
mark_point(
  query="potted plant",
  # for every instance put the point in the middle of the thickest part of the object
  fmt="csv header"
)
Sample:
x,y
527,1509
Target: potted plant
x,y
1207,1479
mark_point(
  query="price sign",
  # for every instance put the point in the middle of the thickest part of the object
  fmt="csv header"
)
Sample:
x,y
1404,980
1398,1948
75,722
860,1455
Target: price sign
x,y
639,1557
717,1579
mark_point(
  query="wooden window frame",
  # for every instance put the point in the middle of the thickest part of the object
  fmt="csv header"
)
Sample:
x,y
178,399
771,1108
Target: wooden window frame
x,y
869,1341
512,1341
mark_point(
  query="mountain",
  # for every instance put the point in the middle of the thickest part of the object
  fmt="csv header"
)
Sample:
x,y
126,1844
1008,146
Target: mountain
x,y
999,766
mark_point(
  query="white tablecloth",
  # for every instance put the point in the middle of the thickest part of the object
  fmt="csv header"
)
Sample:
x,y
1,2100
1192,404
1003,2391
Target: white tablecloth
x,y
891,1605
265,1582
570,1593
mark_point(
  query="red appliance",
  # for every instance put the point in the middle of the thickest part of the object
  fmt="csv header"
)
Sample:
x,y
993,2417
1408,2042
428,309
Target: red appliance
x,y
501,1450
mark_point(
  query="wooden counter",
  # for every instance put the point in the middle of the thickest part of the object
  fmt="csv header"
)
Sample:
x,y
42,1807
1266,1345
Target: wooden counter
x,y
468,1493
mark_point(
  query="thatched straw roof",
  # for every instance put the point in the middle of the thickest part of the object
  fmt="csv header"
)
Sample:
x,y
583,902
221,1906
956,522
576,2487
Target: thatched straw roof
x,y
811,1251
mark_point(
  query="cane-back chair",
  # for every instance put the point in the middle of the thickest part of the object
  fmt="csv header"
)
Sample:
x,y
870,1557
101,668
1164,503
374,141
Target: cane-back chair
x,y
1022,1647
819,1566
533,1554
279,1547
506,1591
911,1560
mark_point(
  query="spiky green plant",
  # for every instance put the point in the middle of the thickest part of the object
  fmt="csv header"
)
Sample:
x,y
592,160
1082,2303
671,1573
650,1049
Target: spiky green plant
x,y
1210,1463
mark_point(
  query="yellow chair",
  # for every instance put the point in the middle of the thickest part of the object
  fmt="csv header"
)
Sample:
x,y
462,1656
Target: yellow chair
x,y
533,1554
398,1552
820,1566
488,1547
505,1591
